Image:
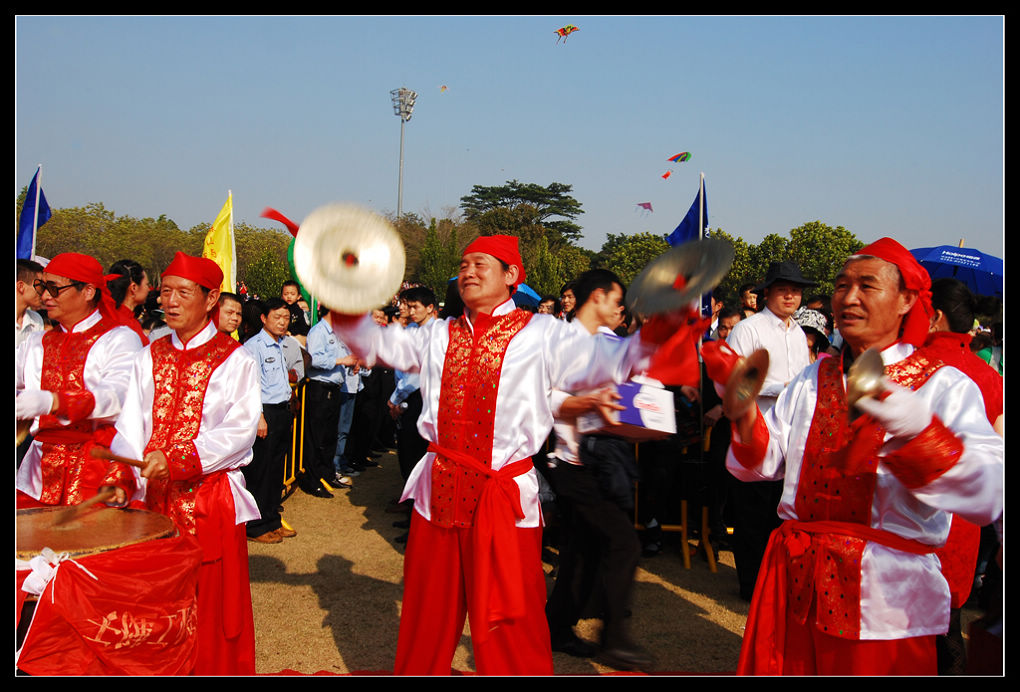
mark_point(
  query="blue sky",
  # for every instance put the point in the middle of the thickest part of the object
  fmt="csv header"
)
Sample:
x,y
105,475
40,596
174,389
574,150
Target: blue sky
x,y
883,125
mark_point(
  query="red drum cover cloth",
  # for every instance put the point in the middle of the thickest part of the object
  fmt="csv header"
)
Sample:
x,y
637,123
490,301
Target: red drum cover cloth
x,y
137,617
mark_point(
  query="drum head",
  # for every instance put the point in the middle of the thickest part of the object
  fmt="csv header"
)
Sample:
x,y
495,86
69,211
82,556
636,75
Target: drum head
x,y
94,531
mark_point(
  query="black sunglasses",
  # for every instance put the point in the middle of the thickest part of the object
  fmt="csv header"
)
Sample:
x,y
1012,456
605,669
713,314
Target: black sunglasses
x,y
52,288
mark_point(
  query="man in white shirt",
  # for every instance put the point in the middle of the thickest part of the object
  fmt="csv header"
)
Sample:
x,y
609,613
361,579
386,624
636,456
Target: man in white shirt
x,y
773,329
27,300
600,544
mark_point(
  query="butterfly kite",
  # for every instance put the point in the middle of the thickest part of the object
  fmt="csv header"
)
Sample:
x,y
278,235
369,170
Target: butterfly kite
x,y
565,31
679,158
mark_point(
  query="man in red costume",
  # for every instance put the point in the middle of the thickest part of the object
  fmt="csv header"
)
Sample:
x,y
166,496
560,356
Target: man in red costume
x,y
850,583
475,542
191,414
71,381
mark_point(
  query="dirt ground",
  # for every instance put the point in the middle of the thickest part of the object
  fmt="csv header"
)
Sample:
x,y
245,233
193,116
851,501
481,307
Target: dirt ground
x,y
329,598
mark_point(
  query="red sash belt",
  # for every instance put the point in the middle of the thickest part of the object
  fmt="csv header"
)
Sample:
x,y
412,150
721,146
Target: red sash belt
x,y
498,593
762,652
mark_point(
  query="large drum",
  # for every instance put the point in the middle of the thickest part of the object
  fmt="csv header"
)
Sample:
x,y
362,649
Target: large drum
x,y
123,604
95,530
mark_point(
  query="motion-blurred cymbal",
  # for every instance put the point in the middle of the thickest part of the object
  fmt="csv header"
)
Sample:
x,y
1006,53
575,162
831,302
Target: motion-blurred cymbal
x,y
864,379
679,276
349,258
745,383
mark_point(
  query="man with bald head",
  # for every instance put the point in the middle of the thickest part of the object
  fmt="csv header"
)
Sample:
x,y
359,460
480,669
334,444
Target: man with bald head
x,y
70,382
476,532
850,583
191,414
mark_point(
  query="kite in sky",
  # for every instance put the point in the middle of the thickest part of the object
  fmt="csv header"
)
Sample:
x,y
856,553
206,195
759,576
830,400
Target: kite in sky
x,y
679,158
565,31
442,88
647,206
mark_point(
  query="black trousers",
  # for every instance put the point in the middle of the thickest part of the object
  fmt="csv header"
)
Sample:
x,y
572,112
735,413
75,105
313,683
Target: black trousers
x,y
411,447
754,519
264,475
600,548
369,410
322,416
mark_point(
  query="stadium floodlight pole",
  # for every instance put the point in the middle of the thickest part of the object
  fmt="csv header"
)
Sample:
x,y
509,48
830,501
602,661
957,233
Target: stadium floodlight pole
x,y
403,105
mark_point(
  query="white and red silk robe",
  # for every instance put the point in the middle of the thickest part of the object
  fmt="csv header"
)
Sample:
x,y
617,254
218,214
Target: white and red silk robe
x,y
200,405
99,365
545,354
229,413
896,594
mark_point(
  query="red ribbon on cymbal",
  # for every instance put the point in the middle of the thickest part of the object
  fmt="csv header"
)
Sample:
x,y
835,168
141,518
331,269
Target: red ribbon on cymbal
x,y
270,213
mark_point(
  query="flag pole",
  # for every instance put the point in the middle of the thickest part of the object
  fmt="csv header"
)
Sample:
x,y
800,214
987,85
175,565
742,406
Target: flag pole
x,y
233,245
701,337
35,212
701,207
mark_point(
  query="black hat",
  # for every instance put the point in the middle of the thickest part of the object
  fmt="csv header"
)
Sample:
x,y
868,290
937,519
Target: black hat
x,y
784,271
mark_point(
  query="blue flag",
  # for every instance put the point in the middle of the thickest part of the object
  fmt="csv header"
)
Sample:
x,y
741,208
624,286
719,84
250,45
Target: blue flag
x,y
688,228
34,214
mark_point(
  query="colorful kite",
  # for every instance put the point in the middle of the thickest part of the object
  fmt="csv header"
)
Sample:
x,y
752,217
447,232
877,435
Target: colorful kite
x,y
565,31
442,89
679,158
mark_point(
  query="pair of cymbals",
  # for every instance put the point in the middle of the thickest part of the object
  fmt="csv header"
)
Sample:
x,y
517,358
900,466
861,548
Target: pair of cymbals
x,y
679,276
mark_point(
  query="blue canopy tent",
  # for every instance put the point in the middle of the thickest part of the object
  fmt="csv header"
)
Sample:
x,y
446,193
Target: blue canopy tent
x,y
982,273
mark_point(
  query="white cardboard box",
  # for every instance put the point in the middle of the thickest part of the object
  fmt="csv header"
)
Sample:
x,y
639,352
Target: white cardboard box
x,y
648,413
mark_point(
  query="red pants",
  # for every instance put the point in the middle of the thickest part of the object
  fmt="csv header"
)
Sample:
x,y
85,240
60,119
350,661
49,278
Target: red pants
x,y
437,588
812,652
226,640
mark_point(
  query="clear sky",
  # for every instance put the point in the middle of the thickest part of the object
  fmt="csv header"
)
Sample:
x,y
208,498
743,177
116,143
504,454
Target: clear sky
x,y
883,125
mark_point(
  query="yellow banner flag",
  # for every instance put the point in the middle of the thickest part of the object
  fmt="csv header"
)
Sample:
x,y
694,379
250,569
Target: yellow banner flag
x,y
219,245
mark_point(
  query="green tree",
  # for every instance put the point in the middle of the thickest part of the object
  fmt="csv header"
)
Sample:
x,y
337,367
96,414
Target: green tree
x,y
772,248
627,255
440,258
820,251
545,203
266,273
741,271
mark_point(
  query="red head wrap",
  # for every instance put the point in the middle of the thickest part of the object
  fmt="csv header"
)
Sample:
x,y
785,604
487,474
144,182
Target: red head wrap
x,y
916,278
78,267
202,271
503,247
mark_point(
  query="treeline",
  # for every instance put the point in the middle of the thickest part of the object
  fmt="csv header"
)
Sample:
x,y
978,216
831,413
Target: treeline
x,y
543,217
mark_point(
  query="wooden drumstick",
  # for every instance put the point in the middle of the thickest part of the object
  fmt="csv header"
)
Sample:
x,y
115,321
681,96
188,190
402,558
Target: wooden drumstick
x,y
103,453
74,510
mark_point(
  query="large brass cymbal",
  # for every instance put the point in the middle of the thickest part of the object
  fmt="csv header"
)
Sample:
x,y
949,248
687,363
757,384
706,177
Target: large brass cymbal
x,y
349,258
864,379
745,383
658,288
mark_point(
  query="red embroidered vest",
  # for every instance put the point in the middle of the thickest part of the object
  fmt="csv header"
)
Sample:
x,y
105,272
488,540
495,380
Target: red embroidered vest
x,y
181,378
828,491
467,412
68,476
